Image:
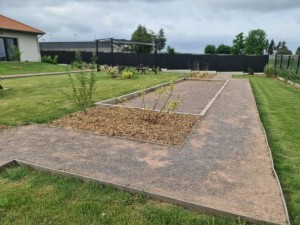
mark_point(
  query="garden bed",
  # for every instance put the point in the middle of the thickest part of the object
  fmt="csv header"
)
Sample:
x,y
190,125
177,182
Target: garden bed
x,y
170,129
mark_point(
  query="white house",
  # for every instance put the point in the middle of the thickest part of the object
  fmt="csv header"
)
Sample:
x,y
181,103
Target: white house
x,y
24,37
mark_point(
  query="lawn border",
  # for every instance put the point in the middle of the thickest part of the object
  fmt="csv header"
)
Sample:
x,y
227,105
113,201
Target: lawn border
x,y
5,77
272,160
155,196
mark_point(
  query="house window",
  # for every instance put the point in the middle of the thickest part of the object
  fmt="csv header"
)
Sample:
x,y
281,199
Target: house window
x,y
7,48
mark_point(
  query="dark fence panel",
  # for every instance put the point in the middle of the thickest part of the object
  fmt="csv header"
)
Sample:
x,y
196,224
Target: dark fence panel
x,y
177,61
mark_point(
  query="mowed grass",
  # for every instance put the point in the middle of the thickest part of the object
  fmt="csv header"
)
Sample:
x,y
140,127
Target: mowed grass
x,y
40,100
31,197
279,109
11,68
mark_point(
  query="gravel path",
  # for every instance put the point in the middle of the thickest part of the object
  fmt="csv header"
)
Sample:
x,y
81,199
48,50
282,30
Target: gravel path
x,y
194,94
225,164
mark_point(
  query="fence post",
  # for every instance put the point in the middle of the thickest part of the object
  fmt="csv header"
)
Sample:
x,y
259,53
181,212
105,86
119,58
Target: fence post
x,y
112,51
298,64
281,61
288,63
275,64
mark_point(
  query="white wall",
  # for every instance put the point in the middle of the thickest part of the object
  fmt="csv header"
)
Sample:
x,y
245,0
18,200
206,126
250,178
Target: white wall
x,y
27,43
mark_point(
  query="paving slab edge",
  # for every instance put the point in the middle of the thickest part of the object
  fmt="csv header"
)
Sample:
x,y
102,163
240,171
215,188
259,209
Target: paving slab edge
x,y
155,196
272,160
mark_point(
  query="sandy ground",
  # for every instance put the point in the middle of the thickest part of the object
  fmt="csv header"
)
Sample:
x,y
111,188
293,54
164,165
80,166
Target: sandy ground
x,y
225,164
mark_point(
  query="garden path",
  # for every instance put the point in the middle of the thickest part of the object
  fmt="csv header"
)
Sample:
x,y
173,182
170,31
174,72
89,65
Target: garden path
x,y
225,164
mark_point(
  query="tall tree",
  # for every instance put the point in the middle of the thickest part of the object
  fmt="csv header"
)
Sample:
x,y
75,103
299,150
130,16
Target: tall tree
x,y
298,51
161,40
256,42
210,49
223,49
279,45
141,34
271,47
238,44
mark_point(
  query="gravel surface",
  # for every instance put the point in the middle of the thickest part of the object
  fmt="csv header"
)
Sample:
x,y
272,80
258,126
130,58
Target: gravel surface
x,y
194,93
225,163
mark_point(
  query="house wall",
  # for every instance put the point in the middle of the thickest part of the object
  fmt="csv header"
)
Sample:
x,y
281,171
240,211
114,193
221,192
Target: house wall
x,y
27,43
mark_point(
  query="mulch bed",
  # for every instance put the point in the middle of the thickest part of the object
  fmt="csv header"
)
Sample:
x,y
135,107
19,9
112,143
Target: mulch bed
x,y
170,129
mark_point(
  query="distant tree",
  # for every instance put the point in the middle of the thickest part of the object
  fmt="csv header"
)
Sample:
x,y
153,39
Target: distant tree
x,y
238,44
170,50
210,49
279,45
141,34
161,40
298,51
271,47
284,51
223,49
256,42
284,45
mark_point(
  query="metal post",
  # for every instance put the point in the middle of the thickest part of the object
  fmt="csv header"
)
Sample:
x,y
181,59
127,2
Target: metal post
x,y
112,51
97,54
288,63
155,57
298,64
281,61
275,61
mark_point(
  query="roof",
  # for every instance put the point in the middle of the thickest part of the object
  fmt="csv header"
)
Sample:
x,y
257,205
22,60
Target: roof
x,y
10,24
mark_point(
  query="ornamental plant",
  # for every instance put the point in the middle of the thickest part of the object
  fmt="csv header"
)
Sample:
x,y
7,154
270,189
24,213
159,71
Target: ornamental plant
x,y
112,72
127,72
162,97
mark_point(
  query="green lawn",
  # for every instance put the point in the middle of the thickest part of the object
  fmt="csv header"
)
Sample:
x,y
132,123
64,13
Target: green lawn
x,y
30,197
279,108
11,68
39,100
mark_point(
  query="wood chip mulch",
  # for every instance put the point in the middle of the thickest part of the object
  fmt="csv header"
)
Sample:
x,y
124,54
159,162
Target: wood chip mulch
x,y
170,129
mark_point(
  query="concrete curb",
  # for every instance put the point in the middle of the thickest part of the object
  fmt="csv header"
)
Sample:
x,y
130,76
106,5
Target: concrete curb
x,y
152,195
135,94
4,77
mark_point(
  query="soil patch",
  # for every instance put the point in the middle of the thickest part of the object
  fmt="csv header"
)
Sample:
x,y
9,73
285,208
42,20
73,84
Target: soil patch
x,y
202,75
2,127
170,129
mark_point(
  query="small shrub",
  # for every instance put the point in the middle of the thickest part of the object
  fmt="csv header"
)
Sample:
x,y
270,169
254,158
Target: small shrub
x,y
112,72
250,71
127,72
83,87
15,53
163,96
48,59
270,70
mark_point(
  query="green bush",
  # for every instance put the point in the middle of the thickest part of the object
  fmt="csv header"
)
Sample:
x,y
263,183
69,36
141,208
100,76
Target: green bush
x,y
127,72
48,59
112,72
270,70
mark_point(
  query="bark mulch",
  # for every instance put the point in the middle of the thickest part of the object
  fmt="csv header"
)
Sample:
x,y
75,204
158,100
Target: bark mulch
x,y
169,129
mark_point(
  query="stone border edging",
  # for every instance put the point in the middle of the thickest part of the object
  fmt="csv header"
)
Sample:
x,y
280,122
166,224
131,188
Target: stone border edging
x,y
135,93
155,196
5,77
272,160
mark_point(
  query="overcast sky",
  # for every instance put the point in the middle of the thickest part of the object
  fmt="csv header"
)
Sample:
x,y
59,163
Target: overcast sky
x,y
189,25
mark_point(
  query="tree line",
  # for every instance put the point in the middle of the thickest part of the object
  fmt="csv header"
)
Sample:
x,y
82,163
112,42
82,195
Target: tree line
x,y
256,43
